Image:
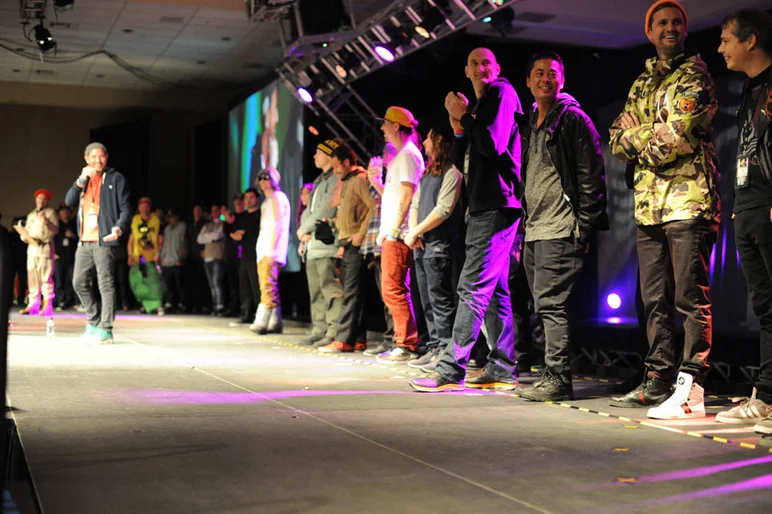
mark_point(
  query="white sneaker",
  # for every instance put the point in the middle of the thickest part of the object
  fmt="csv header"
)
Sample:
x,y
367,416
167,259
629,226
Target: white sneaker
x,y
748,410
688,401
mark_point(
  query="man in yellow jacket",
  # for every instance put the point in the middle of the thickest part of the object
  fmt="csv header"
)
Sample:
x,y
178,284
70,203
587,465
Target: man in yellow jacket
x,y
665,132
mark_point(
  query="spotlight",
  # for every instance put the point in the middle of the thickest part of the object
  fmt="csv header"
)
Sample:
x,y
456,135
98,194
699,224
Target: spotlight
x,y
487,19
305,95
43,38
384,53
502,20
614,301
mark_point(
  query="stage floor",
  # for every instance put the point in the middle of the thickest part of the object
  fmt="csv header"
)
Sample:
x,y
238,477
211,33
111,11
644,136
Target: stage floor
x,y
187,415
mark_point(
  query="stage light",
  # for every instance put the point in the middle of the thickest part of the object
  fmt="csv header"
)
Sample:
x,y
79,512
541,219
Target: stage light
x,y
341,71
305,95
487,19
502,20
384,53
614,301
43,38
313,130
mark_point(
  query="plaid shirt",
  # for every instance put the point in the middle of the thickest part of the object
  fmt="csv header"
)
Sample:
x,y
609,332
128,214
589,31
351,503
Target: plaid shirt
x,y
369,245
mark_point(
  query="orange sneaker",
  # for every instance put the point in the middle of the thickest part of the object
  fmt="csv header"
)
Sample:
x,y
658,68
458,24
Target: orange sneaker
x,y
360,347
336,347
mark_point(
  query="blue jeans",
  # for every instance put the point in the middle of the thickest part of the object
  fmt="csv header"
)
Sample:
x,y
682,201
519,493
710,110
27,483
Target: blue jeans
x,y
215,275
435,285
483,296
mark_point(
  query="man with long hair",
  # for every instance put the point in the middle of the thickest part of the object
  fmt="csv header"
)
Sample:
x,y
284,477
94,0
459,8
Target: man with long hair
x,y
435,221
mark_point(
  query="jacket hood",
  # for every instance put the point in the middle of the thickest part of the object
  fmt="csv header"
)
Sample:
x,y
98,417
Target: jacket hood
x,y
563,102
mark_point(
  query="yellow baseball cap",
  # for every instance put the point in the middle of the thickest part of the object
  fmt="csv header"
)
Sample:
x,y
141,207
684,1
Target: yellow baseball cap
x,y
400,115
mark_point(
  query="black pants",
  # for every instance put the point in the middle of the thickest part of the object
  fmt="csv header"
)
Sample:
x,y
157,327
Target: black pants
x,y
174,286
529,345
232,271
553,267
351,327
249,289
434,277
65,294
674,265
122,288
753,238
198,290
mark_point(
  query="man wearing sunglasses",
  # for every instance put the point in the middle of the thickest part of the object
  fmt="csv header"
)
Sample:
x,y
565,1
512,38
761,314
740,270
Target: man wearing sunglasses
x,y
271,251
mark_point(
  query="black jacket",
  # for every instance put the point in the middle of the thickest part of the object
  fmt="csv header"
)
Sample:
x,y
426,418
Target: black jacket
x,y
114,208
576,151
764,143
491,133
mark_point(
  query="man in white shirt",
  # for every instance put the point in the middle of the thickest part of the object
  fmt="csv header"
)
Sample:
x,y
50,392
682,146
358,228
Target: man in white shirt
x,y
402,177
271,251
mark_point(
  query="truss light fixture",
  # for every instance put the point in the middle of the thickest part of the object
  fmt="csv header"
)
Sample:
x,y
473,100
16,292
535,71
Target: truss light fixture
x,y
384,53
43,38
304,95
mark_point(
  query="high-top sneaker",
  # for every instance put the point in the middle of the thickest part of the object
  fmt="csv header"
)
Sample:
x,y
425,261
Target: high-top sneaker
x,y
687,401
47,309
262,315
32,309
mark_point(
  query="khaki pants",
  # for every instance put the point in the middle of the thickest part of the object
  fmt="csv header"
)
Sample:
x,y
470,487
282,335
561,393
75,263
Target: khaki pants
x,y
40,274
268,277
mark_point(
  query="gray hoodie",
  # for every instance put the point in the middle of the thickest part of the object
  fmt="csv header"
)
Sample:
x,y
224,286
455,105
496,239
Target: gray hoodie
x,y
324,204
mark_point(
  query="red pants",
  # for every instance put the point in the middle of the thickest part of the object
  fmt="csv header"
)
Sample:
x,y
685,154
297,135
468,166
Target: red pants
x,y
396,259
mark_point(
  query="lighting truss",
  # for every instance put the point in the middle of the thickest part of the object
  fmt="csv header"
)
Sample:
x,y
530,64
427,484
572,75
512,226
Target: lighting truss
x,y
404,27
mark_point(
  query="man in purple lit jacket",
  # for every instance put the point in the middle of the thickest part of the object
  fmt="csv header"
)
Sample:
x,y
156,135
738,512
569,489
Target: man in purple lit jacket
x,y
487,150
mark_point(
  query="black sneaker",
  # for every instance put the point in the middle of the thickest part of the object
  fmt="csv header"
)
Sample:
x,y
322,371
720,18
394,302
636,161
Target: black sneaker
x,y
549,387
485,380
383,346
429,356
653,391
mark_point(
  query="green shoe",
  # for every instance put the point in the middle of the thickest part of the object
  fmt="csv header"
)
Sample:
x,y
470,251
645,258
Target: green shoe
x,y
89,332
100,336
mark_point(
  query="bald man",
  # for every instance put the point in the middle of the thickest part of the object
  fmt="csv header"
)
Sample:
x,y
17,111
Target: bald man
x,y
487,151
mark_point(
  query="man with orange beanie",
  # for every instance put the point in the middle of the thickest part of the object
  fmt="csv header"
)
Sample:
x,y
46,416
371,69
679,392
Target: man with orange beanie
x,y
665,132
38,232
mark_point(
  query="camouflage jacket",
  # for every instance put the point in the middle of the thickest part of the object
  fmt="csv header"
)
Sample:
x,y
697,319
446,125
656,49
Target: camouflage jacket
x,y
676,175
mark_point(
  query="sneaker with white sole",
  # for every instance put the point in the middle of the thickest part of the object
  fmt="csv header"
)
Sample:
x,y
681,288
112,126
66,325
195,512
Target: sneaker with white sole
x,y
686,402
747,410
398,355
764,426
430,356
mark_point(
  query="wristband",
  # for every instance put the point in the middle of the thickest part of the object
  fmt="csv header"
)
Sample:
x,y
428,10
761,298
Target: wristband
x,y
395,233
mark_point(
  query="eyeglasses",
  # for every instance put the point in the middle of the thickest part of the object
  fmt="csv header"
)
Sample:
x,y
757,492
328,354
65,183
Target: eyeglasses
x,y
263,177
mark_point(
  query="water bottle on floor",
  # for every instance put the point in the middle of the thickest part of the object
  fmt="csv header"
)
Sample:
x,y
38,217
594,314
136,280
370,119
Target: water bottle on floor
x,y
50,328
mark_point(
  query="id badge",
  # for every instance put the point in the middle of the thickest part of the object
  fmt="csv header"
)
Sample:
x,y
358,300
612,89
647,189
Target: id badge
x,y
92,221
65,242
